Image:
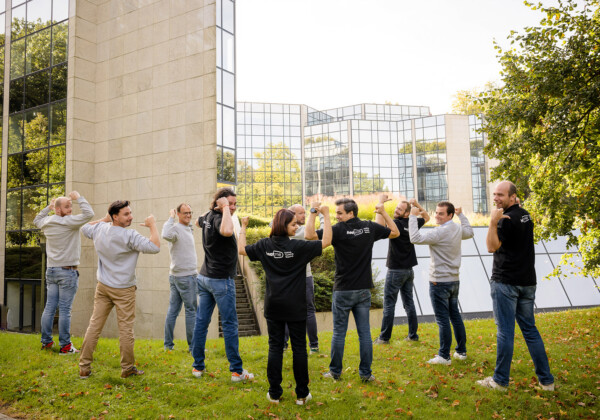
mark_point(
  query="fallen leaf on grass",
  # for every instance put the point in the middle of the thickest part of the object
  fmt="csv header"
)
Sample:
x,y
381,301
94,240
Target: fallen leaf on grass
x,y
455,403
119,396
147,389
66,394
107,386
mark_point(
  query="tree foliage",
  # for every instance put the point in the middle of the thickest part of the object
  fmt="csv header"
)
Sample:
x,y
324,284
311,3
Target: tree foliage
x,y
543,124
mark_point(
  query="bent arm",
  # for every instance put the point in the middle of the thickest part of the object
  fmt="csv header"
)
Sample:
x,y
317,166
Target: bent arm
x,y
492,241
168,231
390,224
467,230
310,234
327,232
226,228
37,221
86,214
419,236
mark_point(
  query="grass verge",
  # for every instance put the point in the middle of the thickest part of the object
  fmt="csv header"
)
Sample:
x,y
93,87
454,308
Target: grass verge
x,y
42,384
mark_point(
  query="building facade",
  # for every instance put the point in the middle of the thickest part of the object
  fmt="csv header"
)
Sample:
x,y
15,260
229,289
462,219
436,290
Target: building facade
x,y
355,150
117,100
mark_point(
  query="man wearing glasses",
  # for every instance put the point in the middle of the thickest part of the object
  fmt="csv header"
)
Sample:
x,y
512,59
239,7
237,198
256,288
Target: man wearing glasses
x,y
183,273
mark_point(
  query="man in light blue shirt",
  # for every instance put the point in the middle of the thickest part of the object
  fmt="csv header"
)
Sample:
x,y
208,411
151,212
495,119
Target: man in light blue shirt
x,y
183,274
118,250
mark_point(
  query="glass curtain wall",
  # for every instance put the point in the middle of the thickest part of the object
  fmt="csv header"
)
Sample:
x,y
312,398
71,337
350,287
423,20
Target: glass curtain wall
x,y
478,173
374,166
430,142
389,112
226,92
405,159
269,152
326,159
37,133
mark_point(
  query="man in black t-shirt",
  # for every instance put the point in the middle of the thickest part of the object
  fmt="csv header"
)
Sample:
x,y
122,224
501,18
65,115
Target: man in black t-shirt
x,y
352,242
400,276
510,238
216,284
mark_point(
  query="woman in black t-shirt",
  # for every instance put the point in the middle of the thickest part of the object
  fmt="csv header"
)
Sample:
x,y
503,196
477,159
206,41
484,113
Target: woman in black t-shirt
x,y
284,261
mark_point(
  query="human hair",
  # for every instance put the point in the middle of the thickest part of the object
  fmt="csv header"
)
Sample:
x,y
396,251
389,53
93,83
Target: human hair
x,y
181,205
349,205
221,192
58,202
408,207
512,188
116,206
449,207
279,226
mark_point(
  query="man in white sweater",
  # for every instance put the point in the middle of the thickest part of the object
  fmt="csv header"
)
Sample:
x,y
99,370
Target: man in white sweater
x,y
118,250
63,250
183,274
445,247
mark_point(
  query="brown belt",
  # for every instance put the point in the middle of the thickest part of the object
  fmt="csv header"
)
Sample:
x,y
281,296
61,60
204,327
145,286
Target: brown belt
x,y
70,267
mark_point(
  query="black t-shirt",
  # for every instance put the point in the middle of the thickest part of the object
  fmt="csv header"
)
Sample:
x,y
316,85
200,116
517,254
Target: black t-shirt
x,y
514,261
284,261
401,253
220,252
353,245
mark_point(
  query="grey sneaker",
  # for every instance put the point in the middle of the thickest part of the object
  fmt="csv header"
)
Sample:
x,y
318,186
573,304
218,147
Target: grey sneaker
x,y
379,340
439,360
367,378
410,339
303,401
197,373
490,383
460,356
241,377
549,387
314,350
331,375
273,400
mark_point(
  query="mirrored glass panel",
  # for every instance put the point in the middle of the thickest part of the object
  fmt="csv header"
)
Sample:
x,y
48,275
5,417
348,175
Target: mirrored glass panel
x,y
58,123
474,295
13,210
36,128
59,83
34,200
19,24
37,87
15,171
549,293
57,164
60,35
17,59
38,55
582,291
60,10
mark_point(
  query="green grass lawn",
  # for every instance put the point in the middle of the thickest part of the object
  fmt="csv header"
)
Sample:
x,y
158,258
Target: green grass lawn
x,y
42,384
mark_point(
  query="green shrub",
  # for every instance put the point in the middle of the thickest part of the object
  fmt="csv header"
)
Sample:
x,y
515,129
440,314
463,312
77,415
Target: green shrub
x,y
255,221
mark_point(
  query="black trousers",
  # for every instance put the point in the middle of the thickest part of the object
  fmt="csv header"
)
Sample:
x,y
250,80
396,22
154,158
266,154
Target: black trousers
x,y
297,330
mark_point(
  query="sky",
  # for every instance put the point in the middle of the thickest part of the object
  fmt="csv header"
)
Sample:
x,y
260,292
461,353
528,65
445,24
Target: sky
x,y
332,53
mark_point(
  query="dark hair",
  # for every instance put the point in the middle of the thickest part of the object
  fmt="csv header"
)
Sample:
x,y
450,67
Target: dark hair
x,y
182,204
408,207
116,206
349,205
449,207
282,218
221,192
512,188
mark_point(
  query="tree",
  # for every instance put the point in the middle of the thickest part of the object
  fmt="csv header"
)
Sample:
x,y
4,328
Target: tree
x,y
543,125
466,102
274,183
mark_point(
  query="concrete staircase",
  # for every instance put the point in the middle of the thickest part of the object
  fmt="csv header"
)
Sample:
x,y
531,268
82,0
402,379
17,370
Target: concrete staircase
x,y
247,322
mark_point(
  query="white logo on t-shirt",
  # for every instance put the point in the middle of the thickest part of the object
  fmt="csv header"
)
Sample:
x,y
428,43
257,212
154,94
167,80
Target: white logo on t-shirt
x,y
525,218
357,232
206,224
278,254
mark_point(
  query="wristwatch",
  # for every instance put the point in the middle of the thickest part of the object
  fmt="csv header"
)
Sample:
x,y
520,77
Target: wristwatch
x,y
313,210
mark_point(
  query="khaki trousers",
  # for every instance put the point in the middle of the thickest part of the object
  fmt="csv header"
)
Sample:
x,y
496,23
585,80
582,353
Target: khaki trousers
x,y
124,302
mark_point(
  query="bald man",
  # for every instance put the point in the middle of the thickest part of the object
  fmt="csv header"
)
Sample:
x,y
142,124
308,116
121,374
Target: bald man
x,y
311,320
63,249
513,284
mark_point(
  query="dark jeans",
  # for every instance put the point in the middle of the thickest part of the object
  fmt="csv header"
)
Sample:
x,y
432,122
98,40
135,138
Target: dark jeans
x,y
510,303
444,298
359,303
274,364
399,280
222,293
311,319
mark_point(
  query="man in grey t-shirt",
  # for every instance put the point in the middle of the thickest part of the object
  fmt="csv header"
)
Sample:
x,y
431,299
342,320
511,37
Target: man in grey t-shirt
x,y
183,274
118,250
63,250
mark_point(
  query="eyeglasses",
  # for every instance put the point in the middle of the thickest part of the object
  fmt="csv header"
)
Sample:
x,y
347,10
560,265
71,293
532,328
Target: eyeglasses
x,y
187,213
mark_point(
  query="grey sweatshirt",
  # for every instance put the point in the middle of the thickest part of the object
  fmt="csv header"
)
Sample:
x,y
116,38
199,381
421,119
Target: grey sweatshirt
x,y
444,246
63,243
182,249
118,250
300,235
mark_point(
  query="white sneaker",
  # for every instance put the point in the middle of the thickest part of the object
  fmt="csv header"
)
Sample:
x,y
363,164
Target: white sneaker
x,y
302,401
197,373
460,356
241,377
273,400
439,360
549,387
490,383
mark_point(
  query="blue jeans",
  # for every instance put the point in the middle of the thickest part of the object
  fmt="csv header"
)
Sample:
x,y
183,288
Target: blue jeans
x,y
61,286
444,299
221,292
398,280
184,291
359,303
510,303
